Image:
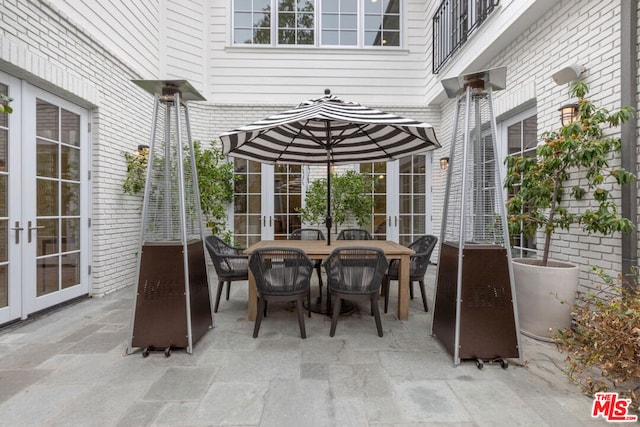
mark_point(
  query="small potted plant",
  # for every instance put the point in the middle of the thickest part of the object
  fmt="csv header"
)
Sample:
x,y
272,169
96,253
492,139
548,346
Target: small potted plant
x,y
540,186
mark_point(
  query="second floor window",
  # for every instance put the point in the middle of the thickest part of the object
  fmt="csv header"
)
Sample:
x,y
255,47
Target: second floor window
x,y
356,23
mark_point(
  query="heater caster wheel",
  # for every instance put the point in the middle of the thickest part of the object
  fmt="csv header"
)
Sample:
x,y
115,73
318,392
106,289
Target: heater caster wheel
x,y
167,352
504,364
479,363
146,351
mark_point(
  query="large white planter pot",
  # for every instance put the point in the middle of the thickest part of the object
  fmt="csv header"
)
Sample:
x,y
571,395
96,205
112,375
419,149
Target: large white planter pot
x,y
545,296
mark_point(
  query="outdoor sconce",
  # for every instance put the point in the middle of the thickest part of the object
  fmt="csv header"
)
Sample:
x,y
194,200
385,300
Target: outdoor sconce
x,y
444,163
568,73
569,113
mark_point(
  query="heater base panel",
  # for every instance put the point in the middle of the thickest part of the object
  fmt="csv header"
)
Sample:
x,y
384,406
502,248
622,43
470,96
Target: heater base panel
x,y
160,319
487,316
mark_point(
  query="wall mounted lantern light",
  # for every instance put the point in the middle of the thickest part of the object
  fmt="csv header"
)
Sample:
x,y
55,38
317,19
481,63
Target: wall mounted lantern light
x,y
444,163
569,113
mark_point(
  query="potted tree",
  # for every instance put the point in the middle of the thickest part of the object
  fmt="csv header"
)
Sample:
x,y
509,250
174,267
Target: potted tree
x,y
571,164
350,198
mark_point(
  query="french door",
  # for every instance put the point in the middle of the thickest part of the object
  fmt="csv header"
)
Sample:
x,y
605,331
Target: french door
x,y
44,251
267,199
401,192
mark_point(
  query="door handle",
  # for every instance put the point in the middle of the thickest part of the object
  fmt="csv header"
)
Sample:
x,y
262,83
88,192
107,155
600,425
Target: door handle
x,y
30,228
18,229
270,221
396,221
389,221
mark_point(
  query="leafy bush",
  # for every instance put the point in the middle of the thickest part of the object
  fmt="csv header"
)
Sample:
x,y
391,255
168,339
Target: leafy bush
x,y
4,104
215,182
603,346
539,183
136,171
350,195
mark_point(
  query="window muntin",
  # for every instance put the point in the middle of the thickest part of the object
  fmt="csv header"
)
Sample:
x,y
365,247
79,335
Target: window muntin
x,y
339,23
287,200
382,23
348,23
413,198
247,202
522,140
296,22
377,172
252,22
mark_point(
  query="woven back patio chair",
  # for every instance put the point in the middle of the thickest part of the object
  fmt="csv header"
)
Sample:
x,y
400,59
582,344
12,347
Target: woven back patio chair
x,y
230,263
281,274
311,234
354,234
355,273
423,246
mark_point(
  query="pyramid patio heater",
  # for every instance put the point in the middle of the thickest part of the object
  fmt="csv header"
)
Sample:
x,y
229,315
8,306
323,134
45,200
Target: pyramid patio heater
x,y
475,313
172,304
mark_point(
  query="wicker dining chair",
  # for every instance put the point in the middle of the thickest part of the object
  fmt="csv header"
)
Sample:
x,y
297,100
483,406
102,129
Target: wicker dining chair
x,y
423,247
230,263
354,234
310,234
281,274
355,273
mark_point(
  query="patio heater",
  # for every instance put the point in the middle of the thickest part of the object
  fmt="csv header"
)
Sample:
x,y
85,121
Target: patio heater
x,y
172,304
475,312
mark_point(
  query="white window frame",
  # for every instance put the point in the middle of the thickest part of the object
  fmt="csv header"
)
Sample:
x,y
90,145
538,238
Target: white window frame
x,y
503,151
317,28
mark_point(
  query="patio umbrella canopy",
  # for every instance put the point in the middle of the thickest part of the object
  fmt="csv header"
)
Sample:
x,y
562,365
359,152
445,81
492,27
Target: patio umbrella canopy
x,y
329,131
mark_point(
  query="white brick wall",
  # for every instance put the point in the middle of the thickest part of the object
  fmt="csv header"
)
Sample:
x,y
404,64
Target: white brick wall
x,y
40,42
46,49
582,32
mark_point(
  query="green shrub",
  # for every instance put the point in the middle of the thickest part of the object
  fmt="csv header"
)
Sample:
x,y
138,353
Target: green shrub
x,y
539,183
4,104
215,182
350,196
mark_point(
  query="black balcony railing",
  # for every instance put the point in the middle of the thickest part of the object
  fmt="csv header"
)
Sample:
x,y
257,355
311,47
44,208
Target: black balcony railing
x,y
453,22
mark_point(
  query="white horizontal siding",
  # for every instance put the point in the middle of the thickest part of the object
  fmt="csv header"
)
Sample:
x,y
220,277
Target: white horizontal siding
x,y
128,28
184,41
266,75
508,21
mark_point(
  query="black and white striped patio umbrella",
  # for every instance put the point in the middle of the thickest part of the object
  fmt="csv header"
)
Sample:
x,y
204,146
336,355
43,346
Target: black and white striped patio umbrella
x,y
329,131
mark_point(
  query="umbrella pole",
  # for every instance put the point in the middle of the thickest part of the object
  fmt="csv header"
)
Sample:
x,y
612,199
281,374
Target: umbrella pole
x,y
328,221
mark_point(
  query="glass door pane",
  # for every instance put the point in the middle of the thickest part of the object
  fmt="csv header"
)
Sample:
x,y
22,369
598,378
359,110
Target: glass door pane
x,y
43,201
378,174
247,206
11,192
522,140
413,198
57,198
4,204
287,200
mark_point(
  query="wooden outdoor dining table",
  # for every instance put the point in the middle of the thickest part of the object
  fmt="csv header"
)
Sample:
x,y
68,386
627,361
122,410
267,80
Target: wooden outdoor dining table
x,y
318,249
